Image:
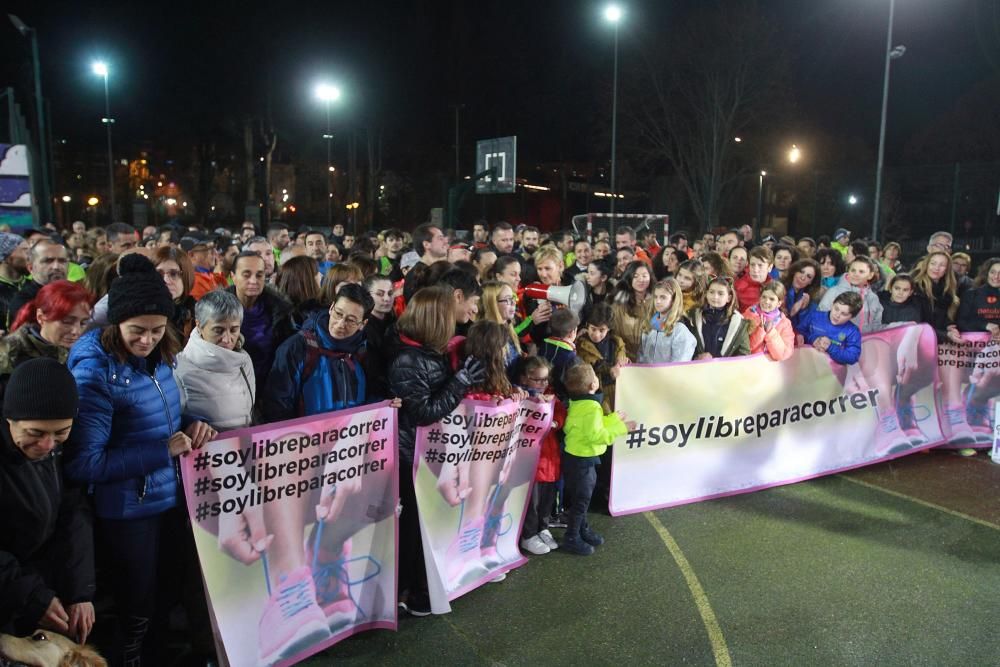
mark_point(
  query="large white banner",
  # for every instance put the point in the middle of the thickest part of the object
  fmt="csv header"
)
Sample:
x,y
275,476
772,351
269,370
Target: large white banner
x,y
725,426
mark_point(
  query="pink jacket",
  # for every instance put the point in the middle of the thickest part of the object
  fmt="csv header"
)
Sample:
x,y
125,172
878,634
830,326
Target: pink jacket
x,y
779,342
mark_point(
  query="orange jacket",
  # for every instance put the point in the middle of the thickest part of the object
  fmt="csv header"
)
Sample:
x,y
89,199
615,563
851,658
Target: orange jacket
x,y
206,282
779,342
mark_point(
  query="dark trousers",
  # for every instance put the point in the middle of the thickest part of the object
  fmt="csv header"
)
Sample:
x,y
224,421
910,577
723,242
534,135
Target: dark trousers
x,y
153,566
536,515
580,478
412,568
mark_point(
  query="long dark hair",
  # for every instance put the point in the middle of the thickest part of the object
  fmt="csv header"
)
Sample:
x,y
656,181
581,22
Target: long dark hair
x,y
624,292
815,287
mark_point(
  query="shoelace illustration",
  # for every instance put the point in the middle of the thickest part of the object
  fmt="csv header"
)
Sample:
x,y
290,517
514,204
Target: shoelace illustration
x,y
335,572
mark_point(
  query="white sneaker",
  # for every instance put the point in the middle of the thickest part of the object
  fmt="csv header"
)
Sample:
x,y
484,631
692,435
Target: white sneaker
x,y
549,541
497,579
534,545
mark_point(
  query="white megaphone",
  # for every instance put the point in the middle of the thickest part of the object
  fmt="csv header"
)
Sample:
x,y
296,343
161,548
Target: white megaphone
x,y
572,296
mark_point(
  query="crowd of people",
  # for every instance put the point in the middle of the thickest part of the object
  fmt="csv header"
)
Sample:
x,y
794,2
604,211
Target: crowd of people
x,y
123,351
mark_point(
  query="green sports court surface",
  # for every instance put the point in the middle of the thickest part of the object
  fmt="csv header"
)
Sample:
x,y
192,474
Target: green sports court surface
x,y
894,564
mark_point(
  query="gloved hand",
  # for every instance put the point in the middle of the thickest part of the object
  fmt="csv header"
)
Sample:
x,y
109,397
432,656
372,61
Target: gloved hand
x,y
471,373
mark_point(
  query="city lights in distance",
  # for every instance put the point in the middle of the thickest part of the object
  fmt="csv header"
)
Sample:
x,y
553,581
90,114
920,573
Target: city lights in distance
x,y
170,201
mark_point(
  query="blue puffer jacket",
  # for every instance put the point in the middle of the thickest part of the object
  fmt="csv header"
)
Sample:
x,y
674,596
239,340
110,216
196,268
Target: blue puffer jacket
x,y
845,339
315,373
119,440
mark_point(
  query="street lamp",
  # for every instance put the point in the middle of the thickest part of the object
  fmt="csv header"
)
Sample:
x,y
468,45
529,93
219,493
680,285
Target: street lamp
x,y
327,94
852,200
795,154
43,153
760,202
100,68
613,14
890,55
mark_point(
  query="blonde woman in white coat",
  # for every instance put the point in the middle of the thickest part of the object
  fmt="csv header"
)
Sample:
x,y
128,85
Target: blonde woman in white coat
x,y
215,374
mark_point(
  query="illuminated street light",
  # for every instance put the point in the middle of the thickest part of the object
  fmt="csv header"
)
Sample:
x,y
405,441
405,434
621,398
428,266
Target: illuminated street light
x,y
100,68
852,200
93,201
327,93
890,55
613,15
795,154
66,198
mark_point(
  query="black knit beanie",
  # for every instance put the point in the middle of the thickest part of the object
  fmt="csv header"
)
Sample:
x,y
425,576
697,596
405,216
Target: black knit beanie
x,y
138,290
40,388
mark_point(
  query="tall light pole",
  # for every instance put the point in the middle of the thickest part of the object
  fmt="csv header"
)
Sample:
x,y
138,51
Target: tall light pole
x,y
613,14
327,94
891,54
100,68
760,204
44,199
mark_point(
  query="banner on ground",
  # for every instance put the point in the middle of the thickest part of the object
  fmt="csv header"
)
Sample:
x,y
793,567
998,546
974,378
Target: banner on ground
x,y
726,426
473,473
970,379
295,525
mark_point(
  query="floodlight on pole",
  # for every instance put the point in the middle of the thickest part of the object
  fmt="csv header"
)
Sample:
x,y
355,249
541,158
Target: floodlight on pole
x,y
613,14
327,93
890,55
100,68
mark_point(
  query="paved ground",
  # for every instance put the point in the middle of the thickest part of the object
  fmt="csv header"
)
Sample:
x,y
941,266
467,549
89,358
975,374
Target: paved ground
x,y
897,564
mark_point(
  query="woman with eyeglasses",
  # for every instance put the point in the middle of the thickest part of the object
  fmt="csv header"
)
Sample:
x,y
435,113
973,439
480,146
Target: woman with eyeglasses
x,y
322,367
178,273
499,304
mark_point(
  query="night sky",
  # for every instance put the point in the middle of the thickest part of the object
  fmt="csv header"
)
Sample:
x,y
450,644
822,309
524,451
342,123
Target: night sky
x,y
540,70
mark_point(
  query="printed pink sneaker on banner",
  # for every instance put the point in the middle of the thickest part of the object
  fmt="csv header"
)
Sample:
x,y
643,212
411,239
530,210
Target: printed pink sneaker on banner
x,y
291,620
333,590
463,553
889,438
961,432
978,417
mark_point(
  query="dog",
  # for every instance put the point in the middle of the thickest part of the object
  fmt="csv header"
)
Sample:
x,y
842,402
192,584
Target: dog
x,y
46,649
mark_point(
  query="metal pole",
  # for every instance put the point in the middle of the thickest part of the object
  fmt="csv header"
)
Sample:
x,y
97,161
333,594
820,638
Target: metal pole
x,y
329,186
881,135
760,205
111,165
614,126
458,168
46,194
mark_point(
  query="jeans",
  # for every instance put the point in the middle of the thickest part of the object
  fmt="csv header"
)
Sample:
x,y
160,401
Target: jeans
x,y
580,477
536,515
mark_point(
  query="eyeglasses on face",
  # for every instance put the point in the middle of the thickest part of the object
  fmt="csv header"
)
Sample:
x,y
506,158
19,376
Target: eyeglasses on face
x,y
349,320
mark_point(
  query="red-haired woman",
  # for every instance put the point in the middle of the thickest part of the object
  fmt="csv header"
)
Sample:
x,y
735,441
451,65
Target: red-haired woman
x,y
47,326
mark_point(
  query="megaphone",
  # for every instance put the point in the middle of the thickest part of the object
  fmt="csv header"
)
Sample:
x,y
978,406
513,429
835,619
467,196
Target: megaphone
x,y
572,296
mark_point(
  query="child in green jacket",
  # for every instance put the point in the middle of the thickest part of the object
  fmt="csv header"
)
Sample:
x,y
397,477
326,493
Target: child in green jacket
x,y
588,432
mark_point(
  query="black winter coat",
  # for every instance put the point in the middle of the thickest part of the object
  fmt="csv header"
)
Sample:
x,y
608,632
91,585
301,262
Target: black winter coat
x,y
980,306
910,310
430,391
46,538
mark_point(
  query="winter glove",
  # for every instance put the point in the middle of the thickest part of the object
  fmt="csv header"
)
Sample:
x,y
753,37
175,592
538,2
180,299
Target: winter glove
x,y
472,373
